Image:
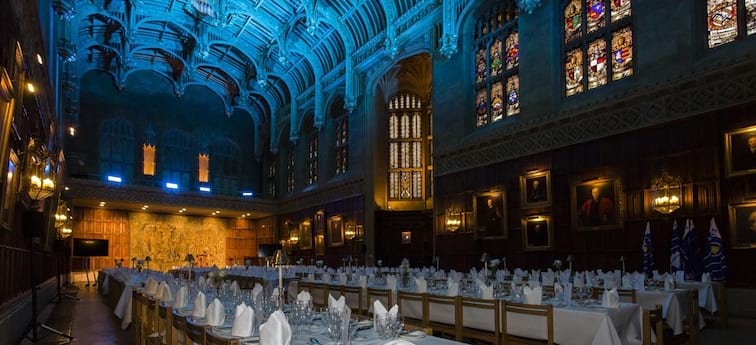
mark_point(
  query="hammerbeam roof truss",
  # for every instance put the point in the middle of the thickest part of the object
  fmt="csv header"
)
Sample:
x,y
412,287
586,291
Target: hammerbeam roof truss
x,y
256,55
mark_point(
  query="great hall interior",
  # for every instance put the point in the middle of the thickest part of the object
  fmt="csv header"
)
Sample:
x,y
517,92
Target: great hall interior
x,y
225,171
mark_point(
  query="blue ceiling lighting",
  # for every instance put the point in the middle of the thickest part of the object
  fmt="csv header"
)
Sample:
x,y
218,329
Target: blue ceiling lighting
x,y
247,194
116,179
205,189
171,185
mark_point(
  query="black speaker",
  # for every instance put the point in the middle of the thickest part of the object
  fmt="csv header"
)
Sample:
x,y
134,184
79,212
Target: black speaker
x,y
33,223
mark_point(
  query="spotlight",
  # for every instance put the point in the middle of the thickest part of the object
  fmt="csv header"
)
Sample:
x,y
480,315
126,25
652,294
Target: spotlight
x,y
30,87
171,185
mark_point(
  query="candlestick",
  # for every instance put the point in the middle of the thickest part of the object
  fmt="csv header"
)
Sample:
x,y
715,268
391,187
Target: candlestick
x,y
280,284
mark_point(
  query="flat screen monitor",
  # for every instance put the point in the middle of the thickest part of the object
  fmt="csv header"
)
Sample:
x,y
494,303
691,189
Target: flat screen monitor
x,y
266,250
90,247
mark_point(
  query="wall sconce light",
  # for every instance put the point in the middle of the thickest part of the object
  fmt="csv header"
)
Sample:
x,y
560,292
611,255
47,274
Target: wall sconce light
x,y
294,237
40,172
453,220
406,237
351,231
666,193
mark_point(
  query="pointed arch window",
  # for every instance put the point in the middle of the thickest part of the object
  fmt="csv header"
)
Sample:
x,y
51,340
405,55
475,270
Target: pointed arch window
x,y
203,161
312,158
177,157
406,156
290,169
729,20
117,149
148,156
342,144
224,166
497,61
598,43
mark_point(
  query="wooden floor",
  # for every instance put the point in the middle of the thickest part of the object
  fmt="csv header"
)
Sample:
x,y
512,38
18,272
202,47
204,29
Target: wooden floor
x,y
92,322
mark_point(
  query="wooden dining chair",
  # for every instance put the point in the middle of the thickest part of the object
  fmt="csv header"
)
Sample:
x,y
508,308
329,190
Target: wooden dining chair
x,y
319,294
480,320
195,333
212,339
353,296
179,328
334,290
445,315
511,310
385,296
413,307
653,319
627,295
165,323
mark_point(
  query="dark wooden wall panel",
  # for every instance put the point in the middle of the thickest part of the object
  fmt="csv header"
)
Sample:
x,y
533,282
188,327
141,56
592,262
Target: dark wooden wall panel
x,y
692,149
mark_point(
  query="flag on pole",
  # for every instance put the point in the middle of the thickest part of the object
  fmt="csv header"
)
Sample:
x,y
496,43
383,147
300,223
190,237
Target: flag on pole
x,y
714,261
648,251
691,258
674,257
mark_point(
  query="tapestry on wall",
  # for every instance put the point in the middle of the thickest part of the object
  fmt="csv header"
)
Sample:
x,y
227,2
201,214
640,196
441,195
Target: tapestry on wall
x,y
168,238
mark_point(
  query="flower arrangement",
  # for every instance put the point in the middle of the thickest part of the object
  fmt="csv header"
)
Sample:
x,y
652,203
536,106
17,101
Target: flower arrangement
x,y
557,265
216,277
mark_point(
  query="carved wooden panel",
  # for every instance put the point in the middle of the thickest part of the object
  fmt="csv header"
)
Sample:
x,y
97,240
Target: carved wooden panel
x,y
105,225
636,204
706,198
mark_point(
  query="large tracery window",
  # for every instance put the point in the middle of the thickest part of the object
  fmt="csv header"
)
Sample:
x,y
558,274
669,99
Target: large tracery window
x,y
224,166
728,20
312,158
342,144
497,58
117,148
290,169
598,43
177,157
406,159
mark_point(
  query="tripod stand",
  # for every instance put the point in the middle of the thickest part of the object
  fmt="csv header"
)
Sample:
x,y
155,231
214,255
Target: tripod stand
x,y
31,219
59,296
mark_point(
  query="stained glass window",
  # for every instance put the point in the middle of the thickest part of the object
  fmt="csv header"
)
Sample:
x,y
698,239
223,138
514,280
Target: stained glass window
x,y
290,169
203,162
594,29
497,58
342,149
312,159
406,136
724,22
148,163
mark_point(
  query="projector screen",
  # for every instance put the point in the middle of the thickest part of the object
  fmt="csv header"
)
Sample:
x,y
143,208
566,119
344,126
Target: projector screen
x,y
266,250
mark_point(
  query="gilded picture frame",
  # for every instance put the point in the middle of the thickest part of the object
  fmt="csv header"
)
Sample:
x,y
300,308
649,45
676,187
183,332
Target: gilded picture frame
x,y
597,204
537,233
320,247
742,219
305,235
535,189
740,151
335,231
490,215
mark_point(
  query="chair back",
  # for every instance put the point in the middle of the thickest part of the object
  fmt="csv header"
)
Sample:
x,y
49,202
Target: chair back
x,y
195,332
319,294
413,306
334,291
385,296
627,296
178,329
445,314
481,314
353,297
165,322
212,339
653,320
528,322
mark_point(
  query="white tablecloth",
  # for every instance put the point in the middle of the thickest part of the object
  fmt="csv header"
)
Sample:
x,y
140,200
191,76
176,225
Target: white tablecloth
x,y
674,305
706,295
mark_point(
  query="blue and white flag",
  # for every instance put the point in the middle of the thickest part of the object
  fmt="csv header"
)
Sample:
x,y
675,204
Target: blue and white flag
x,y
714,261
691,249
648,251
674,257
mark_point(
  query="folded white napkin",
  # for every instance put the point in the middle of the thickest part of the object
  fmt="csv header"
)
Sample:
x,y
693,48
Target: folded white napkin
x,y
558,289
256,291
453,288
336,304
326,278
167,294
311,277
547,279
391,282
609,282
159,292
198,310
244,319
669,283
532,296
627,282
656,275
304,296
276,292
181,297
610,299
201,280
235,288
421,286
639,284
679,277
363,281
578,281
150,287
706,278
534,284
486,292
379,309
342,279
216,313
568,293
276,331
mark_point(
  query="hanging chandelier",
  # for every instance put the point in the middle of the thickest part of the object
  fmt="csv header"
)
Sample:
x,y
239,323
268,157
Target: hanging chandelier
x,y
666,193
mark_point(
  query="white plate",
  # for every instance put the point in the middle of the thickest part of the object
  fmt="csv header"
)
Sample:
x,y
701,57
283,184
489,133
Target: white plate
x,y
413,335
